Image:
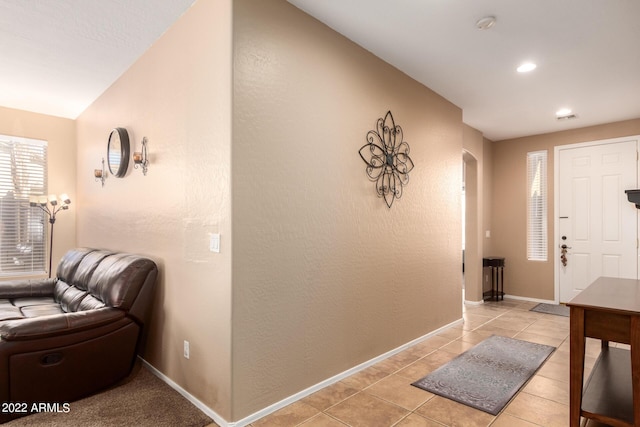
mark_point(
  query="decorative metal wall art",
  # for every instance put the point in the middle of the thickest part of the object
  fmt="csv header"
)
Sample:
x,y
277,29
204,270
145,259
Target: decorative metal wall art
x,y
387,159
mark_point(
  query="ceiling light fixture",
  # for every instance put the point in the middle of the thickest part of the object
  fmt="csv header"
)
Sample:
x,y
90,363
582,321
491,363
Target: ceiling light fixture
x,y
526,67
486,22
563,112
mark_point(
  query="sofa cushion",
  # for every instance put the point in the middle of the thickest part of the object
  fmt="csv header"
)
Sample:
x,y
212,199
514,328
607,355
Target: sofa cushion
x,y
70,262
36,306
117,281
9,311
90,303
77,268
69,297
27,301
86,268
57,325
20,308
41,310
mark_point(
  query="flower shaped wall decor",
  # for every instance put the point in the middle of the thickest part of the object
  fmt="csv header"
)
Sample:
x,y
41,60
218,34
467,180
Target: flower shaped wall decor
x,y
387,159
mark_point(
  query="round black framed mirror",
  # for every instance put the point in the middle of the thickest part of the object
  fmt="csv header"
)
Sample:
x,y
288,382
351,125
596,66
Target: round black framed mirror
x,y
118,152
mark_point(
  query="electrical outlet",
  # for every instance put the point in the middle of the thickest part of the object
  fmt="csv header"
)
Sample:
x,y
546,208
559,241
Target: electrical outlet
x,y
186,349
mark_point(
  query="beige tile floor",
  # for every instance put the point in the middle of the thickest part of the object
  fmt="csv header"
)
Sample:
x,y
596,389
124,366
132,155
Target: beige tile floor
x,y
382,395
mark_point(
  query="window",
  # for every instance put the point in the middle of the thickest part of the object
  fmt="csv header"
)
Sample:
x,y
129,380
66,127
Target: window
x,y
537,206
23,174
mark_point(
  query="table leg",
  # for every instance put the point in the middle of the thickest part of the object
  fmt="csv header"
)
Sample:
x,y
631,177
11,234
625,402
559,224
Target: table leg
x,y
576,364
635,367
494,297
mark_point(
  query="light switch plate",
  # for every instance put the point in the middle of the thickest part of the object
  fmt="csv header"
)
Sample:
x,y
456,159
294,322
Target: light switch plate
x,y
214,242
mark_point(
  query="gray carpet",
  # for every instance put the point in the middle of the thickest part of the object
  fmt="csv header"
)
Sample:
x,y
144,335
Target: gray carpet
x,y
558,310
141,400
487,376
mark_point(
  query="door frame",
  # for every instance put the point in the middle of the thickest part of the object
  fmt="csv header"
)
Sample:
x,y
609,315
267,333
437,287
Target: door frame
x,y
556,198
472,230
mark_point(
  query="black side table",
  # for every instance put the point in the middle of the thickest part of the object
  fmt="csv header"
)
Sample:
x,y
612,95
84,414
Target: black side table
x,y
496,264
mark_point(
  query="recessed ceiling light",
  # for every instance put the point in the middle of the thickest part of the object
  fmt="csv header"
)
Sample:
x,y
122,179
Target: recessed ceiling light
x,y
526,67
486,22
563,112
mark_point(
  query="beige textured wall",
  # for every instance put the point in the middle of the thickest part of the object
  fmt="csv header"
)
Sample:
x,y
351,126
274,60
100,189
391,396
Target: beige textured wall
x,y
178,95
532,279
325,276
61,136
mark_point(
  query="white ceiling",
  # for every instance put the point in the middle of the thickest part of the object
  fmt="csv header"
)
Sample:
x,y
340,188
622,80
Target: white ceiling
x,y
587,52
60,55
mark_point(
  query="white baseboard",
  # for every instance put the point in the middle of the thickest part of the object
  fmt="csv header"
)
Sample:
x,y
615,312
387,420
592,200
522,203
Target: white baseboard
x,y
546,301
294,398
191,398
515,297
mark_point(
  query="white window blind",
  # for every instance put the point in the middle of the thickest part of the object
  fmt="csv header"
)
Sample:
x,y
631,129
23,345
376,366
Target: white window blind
x,y
23,229
537,206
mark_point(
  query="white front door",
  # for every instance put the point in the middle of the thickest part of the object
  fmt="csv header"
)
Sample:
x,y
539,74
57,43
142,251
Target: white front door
x,y
596,222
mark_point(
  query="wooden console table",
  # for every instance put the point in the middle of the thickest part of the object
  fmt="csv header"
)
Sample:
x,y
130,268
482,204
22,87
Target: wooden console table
x,y
608,310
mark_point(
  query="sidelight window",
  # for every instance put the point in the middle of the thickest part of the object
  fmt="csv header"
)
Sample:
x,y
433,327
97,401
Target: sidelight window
x,y
537,206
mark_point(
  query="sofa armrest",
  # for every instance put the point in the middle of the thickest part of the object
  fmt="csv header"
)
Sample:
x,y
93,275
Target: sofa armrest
x,y
27,288
57,324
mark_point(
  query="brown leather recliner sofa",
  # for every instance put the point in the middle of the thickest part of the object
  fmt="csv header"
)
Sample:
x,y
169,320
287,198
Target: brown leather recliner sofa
x,y
67,337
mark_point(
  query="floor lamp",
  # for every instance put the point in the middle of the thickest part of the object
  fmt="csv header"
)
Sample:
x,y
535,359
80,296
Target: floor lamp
x,y
57,204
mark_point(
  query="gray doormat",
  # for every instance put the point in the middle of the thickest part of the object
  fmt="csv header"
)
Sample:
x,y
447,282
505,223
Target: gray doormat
x,y
558,310
487,376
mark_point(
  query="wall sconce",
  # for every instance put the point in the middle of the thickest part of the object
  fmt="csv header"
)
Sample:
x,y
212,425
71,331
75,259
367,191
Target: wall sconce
x,y
100,174
57,204
140,158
